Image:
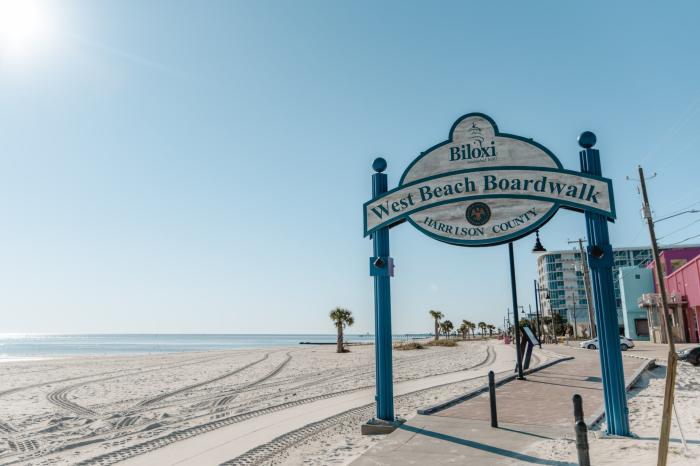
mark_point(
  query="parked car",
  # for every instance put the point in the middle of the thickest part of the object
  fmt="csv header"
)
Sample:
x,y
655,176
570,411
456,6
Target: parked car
x,y
625,344
691,355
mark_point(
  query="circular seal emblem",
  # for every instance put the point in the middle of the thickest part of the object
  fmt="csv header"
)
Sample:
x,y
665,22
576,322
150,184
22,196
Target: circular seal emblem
x,y
478,213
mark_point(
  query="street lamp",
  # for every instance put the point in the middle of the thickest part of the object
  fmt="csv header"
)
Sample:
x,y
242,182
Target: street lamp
x,y
538,245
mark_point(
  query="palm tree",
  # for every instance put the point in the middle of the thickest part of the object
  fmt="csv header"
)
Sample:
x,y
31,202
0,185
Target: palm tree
x,y
342,318
437,315
464,328
491,328
482,327
468,325
472,326
446,328
557,324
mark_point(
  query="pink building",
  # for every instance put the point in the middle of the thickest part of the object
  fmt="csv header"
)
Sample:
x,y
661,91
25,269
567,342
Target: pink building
x,y
674,259
682,279
684,285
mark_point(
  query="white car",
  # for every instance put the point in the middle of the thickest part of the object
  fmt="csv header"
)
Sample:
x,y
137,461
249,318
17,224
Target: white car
x,y
625,344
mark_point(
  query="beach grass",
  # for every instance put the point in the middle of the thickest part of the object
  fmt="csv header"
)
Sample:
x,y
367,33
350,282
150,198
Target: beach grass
x,y
442,343
408,345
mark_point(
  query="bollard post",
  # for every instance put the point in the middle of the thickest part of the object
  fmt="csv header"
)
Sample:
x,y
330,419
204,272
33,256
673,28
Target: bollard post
x,y
581,433
492,399
578,408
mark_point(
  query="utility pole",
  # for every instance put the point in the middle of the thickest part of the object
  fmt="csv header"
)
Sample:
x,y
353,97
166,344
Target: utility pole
x,y
508,319
671,370
587,286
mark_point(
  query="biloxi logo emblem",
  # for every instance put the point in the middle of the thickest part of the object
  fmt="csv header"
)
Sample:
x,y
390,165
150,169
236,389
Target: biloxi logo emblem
x,y
482,187
474,149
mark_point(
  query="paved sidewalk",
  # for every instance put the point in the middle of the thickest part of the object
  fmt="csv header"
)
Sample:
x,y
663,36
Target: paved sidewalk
x,y
536,409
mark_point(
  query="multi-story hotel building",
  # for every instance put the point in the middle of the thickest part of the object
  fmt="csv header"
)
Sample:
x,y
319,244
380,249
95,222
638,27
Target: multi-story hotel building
x,y
561,275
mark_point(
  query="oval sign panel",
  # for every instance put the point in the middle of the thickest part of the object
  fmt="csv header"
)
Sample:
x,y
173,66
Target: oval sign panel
x,y
482,187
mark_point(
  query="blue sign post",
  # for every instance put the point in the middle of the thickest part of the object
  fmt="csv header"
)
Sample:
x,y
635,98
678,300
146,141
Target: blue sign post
x,y
600,260
381,267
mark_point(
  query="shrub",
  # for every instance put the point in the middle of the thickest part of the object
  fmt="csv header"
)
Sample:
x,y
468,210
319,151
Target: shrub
x,y
442,343
408,345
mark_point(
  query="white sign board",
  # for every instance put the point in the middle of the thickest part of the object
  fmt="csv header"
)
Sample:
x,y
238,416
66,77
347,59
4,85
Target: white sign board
x,y
482,187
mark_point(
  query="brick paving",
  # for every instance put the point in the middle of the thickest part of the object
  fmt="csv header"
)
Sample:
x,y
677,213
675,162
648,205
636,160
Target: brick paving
x,y
528,411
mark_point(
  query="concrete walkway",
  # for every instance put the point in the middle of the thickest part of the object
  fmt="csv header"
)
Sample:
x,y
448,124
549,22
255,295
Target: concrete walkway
x,y
535,409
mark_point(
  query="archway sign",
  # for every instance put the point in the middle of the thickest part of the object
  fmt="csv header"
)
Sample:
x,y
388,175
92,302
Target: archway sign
x,y
482,187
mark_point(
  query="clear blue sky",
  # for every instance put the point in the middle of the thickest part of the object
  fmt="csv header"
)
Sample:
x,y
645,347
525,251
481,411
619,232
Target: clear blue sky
x,y
200,166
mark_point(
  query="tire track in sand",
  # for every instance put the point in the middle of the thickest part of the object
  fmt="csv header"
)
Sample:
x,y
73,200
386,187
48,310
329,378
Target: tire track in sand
x,y
163,396
130,421
188,432
59,397
69,379
322,377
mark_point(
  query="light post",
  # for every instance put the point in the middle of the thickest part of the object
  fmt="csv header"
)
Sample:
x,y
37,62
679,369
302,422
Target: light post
x,y
508,328
539,290
538,248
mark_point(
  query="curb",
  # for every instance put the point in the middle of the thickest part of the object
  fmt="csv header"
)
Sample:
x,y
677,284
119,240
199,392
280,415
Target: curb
x,y
485,388
600,414
624,353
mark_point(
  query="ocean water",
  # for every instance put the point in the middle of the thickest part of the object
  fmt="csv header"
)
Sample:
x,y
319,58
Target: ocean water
x,y
13,346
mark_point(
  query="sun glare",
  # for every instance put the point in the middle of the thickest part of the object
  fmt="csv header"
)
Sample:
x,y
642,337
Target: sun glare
x,y
25,27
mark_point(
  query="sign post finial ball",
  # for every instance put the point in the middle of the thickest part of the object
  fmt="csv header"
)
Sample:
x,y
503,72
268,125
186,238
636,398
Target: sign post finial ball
x,y
587,139
379,165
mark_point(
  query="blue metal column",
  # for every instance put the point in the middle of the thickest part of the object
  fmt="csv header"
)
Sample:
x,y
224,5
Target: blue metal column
x,y
382,269
600,261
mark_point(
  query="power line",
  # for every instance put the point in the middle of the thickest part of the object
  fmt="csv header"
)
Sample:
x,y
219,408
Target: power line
x,y
675,127
691,211
691,194
681,228
683,241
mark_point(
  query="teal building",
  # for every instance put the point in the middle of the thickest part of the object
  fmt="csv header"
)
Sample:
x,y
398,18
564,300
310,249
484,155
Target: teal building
x,y
634,282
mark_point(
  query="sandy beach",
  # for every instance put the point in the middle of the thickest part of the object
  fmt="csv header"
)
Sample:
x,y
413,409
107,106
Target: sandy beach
x,y
304,403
